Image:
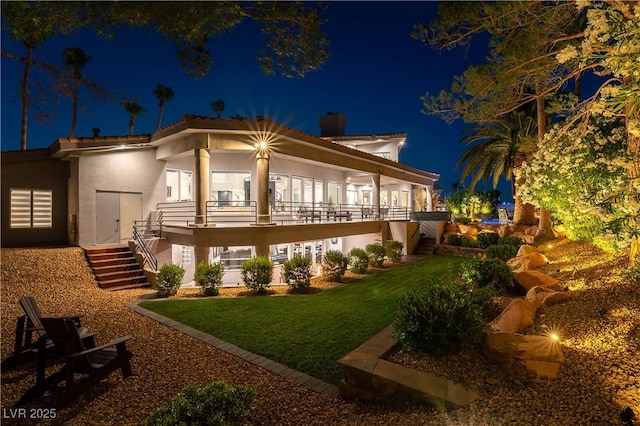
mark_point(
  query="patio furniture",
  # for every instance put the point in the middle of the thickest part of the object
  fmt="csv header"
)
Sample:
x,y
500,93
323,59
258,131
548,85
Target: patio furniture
x,y
25,347
384,212
306,214
366,212
338,215
93,363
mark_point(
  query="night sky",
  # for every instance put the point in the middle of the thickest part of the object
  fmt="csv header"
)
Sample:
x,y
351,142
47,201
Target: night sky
x,y
375,75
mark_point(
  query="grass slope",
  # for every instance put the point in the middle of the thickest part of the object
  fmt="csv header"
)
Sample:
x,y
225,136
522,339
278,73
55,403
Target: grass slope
x,y
308,333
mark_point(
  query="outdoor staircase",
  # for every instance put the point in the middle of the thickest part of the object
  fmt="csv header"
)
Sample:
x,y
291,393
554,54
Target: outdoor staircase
x,y
425,246
116,267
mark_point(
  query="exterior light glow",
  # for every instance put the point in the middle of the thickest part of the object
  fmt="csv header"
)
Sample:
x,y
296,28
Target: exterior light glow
x,y
554,337
262,145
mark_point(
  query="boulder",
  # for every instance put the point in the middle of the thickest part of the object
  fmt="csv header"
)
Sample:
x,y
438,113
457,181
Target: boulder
x,y
468,230
529,279
503,231
525,356
526,249
528,261
545,296
532,230
518,315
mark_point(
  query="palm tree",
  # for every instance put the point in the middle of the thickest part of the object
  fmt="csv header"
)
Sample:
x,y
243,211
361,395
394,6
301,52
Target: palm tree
x,y
498,148
217,106
133,109
75,60
164,94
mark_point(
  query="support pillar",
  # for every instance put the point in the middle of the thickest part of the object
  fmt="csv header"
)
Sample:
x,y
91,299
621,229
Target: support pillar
x,y
375,193
429,199
262,171
203,159
201,254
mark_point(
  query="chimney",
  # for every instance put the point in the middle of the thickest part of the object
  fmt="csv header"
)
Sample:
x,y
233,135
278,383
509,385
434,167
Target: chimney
x,y
332,124
96,132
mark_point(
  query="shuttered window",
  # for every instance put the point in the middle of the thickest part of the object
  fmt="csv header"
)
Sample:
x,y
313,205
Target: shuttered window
x,y
31,208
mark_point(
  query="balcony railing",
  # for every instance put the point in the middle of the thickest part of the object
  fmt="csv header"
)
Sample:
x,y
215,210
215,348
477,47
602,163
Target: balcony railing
x,y
284,213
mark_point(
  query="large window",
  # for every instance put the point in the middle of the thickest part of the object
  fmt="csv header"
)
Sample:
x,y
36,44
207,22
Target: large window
x,y
179,185
334,192
231,188
31,208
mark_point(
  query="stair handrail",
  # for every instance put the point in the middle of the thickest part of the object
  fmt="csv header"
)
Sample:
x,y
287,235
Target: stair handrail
x,y
143,247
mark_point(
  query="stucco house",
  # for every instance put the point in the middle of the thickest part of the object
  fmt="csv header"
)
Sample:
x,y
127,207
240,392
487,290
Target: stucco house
x,y
217,190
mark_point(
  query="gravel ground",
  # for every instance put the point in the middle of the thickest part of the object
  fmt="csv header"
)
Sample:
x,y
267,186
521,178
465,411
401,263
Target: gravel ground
x,y
600,327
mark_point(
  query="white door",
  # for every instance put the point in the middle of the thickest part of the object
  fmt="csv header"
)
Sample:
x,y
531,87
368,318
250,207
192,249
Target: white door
x,y
115,213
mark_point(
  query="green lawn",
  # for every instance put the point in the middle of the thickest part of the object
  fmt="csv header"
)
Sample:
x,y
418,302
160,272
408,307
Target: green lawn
x,y
308,333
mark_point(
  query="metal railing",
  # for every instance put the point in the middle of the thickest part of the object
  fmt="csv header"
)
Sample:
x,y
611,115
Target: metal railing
x,y
143,231
232,212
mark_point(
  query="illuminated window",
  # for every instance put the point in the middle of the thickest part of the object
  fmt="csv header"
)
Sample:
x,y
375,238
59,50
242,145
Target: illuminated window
x,y
31,208
179,183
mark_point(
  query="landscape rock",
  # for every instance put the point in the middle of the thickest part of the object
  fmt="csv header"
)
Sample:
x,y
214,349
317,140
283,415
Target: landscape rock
x,y
526,280
527,261
545,296
518,315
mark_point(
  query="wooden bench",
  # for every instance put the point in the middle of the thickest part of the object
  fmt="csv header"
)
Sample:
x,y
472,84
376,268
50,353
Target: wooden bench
x,y
93,363
29,326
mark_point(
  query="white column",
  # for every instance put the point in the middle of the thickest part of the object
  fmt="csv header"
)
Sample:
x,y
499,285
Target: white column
x,y
262,172
203,158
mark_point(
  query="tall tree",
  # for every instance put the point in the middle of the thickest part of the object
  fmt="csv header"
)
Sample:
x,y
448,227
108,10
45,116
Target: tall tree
x,y
218,107
521,67
497,148
75,60
133,109
164,94
31,23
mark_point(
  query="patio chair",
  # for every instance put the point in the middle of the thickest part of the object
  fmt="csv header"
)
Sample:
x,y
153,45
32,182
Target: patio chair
x,y
93,363
25,347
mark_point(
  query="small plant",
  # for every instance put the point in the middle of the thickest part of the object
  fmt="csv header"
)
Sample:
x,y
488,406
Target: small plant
x,y
493,273
486,239
454,239
359,261
334,265
463,220
376,253
440,318
297,272
257,273
393,250
209,277
169,279
214,404
503,252
511,240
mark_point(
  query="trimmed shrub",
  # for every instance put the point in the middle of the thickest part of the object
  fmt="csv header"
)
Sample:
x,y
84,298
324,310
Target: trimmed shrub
x,y
454,239
334,265
463,220
440,318
503,252
468,242
511,240
214,404
376,253
359,261
486,239
256,273
169,279
209,277
297,272
393,250
493,273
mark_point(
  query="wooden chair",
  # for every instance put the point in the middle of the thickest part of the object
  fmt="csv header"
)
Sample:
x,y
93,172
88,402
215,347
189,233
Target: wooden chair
x,y
94,363
25,347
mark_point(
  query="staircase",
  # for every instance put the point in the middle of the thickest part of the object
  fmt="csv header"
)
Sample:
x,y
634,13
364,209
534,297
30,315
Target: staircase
x,y
116,267
425,246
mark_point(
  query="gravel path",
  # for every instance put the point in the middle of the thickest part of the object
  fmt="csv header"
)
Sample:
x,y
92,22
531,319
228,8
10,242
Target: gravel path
x,y
602,372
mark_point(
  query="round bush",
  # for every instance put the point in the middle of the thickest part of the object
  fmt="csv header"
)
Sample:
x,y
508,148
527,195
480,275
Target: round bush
x,y
334,265
376,253
257,273
214,404
439,318
493,273
503,252
169,279
393,250
209,277
359,261
486,239
511,240
454,239
297,272
468,242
